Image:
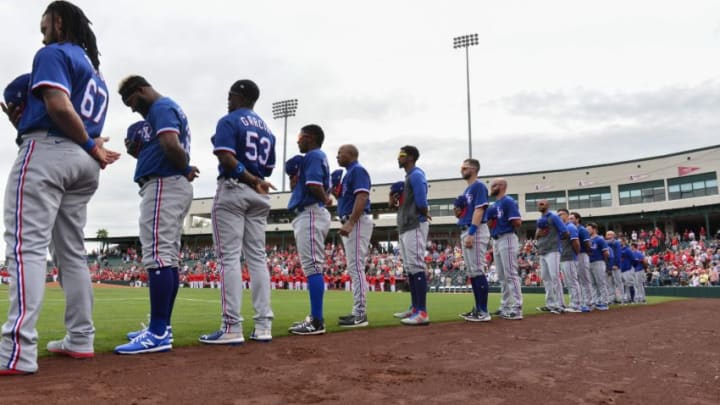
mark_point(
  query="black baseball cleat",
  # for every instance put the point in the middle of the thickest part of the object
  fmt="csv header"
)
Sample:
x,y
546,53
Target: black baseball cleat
x,y
309,327
355,321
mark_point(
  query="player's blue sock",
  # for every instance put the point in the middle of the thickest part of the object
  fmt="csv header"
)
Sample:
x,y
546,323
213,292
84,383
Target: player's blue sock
x,y
161,287
421,290
176,287
480,291
411,285
316,286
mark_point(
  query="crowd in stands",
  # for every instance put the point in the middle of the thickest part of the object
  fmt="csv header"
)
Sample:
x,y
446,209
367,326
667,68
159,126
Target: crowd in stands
x,y
682,259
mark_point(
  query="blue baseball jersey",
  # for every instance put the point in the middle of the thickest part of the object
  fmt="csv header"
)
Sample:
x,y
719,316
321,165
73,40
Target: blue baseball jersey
x,y
639,260
314,169
418,184
552,242
568,253
597,247
476,196
503,211
356,180
244,134
583,236
165,117
626,259
615,247
65,67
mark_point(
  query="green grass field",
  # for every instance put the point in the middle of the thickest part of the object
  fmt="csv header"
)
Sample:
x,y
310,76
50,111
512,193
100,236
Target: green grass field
x,y
197,311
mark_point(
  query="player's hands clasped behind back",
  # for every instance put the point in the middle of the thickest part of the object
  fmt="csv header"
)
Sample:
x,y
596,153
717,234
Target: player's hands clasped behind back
x,y
194,173
103,156
263,187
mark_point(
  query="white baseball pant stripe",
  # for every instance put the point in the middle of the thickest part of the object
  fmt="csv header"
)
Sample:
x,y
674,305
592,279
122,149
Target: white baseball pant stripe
x,y
239,217
357,244
475,263
506,265
550,273
412,248
46,196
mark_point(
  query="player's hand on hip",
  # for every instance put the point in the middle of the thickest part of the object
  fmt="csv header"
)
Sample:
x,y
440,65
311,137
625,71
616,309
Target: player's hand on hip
x,y
194,173
264,186
13,112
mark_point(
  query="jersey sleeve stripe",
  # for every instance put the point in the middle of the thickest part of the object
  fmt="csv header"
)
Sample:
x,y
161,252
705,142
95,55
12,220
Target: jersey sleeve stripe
x,y
481,205
361,190
314,182
54,85
168,129
511,218
225,149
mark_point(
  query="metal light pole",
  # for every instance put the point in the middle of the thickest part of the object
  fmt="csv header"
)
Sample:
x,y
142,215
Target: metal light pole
x,y
466,41
284,109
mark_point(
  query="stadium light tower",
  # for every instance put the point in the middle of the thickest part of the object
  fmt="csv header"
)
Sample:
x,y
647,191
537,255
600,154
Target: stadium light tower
x,y
284,109
466,41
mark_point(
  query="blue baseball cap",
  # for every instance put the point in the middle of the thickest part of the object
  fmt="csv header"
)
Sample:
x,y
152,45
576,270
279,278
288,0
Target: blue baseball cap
x,y
16,92
292,166
460,202
397,187
335,177
136,131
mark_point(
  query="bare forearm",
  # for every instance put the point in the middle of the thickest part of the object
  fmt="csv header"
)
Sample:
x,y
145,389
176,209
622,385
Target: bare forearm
x,y
63,115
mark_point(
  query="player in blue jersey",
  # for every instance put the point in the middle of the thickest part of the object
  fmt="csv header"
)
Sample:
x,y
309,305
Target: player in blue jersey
x,y
53,178
474,238
627,257
164,173
614,278
568,262
639,264
504,218
413,227
549,234
598,258
312,222
583,267
245,148
357,226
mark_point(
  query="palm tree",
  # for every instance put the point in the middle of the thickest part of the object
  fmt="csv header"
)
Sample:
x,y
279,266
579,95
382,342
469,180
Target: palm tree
x,y
102,235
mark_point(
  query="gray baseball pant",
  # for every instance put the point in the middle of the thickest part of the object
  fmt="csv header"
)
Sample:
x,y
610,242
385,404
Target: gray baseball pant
x,y
239,216
475,263
357,244
640,286
584,279
550,273
412,248
599,288
46,197
506,264
570,277
310,228
629,280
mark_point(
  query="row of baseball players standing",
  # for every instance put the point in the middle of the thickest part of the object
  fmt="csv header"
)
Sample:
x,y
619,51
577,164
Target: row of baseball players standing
x,y
597,271
59,119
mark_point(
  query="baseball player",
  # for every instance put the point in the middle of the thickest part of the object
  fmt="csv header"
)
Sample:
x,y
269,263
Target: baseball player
x,y
312,222
583,263
503,218
598,257
357,226
51,181
640,264
474,238
568,263
245,148
627,271
413,227
163,173
549,234
614,278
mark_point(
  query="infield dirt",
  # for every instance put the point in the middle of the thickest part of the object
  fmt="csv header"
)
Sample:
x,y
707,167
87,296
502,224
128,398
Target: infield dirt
x,y
657,354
